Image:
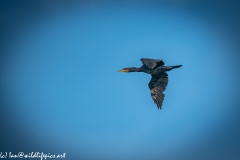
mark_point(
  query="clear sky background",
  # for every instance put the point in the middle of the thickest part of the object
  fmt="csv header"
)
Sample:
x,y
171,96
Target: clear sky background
x,y
61,92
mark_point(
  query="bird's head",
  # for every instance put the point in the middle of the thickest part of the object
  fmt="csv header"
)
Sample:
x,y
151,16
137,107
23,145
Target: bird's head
x,y
131,69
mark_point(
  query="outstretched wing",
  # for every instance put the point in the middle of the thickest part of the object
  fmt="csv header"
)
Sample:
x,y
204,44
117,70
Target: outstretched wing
x,y
152,63
157,86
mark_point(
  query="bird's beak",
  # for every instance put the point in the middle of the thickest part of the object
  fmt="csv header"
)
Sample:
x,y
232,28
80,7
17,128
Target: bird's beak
x,y
119,70
122,70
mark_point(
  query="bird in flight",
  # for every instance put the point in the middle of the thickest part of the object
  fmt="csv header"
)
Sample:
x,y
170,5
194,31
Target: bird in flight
x,y
159,81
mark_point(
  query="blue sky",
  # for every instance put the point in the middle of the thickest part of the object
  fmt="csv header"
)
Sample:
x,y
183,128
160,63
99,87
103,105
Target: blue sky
x,y
61,82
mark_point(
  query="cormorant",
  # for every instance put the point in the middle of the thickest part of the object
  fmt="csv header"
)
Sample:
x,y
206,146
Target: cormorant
x,y
159,80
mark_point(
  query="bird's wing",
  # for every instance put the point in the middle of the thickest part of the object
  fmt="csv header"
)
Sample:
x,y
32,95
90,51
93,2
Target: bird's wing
x,y
152,63
157,86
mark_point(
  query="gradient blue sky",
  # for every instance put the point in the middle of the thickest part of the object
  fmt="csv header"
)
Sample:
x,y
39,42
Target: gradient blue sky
x,y
59,77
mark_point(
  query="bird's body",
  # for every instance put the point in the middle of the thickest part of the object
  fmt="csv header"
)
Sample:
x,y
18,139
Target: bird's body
x,y
159,80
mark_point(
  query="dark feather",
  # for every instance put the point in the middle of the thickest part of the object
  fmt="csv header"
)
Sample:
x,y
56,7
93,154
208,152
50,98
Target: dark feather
x,y
152,63
157,86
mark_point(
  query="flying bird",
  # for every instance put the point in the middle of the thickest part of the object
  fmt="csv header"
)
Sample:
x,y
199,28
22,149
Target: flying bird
x,y
159,80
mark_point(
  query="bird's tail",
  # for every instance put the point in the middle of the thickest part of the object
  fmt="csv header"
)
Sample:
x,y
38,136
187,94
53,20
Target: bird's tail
x,y
173,67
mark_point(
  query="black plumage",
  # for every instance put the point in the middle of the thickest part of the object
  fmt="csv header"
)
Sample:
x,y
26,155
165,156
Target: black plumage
x,y
159,80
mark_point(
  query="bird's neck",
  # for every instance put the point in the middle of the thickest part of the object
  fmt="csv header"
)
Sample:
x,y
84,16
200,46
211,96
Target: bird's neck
x,y
134,69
